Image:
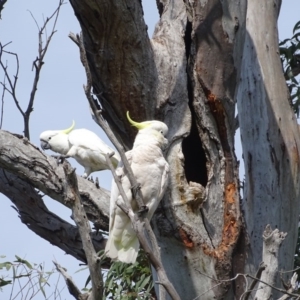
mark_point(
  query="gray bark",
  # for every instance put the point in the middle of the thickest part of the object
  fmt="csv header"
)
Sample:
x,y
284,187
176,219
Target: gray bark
x,y
26,161
203,56
35,215
272,241
270,138
199,218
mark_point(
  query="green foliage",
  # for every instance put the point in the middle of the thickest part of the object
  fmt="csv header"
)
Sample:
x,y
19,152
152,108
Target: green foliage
x,y
129,281
25,280
290,57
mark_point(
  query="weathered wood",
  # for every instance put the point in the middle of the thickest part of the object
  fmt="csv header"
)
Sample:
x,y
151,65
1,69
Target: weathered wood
x,y
272,240
120,59
204,56
23,159
36,216
270,138
84,228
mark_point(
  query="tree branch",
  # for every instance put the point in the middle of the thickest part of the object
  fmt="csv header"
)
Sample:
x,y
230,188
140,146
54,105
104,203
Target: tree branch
x,y
2,2
83,225
36,216
21,158
73,289
293,286
11,82
271,243
2,102
257,276
39,62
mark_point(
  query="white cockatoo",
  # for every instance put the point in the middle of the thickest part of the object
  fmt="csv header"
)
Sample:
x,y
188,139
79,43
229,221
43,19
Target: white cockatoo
x,y
151,171
81,144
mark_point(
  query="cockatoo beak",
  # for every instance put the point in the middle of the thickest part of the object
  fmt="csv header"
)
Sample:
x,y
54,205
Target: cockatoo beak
x,y
45,145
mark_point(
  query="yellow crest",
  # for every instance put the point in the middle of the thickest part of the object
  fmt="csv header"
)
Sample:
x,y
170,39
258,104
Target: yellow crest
x,y
68,130
139,126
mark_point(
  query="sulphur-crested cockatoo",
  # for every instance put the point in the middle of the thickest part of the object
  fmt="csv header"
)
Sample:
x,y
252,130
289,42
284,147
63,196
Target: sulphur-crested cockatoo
x,y
82,144
151,171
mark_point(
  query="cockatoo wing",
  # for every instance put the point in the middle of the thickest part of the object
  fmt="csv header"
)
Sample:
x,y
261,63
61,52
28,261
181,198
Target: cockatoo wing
x,y
89,151
164,180
87,139
122,243
114,193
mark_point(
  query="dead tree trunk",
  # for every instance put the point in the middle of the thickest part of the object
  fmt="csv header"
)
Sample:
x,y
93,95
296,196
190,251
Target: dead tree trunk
x,y
203,58
188,76
185,76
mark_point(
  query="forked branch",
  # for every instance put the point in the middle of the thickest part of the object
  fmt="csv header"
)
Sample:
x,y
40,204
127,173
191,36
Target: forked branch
x,y
84,228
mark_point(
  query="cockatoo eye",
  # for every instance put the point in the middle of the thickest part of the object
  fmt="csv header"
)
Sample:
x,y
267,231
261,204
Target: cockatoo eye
x,y
162,132
49,138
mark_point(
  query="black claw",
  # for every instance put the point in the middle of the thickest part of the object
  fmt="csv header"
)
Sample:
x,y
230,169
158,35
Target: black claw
x,y
143,210
59,158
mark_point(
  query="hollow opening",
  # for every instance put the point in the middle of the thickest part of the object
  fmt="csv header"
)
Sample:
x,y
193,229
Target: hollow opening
x,y
194,155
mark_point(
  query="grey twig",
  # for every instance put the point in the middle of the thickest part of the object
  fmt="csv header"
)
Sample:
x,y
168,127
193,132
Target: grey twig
x,y
257,276
36,65
2,103
39,61
73,289
84,228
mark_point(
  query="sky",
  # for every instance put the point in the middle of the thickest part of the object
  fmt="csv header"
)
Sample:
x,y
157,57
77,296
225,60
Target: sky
x,y
59,100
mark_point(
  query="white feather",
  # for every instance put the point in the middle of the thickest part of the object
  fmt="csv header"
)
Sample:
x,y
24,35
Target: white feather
x,y
81,144
151,171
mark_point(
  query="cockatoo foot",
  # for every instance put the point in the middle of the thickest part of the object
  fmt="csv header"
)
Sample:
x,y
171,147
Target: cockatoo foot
x,y
60,158
143,210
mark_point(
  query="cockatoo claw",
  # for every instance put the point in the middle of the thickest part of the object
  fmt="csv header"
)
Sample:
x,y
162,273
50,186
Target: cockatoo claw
x,y
60,158
143,210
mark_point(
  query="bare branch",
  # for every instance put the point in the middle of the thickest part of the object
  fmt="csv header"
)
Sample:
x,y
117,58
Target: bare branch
x,y
271,243
2,103
83,225
293,286
39,62
262,267
11,82
273,287
73,289
2,2
36,216
23,159
139,223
